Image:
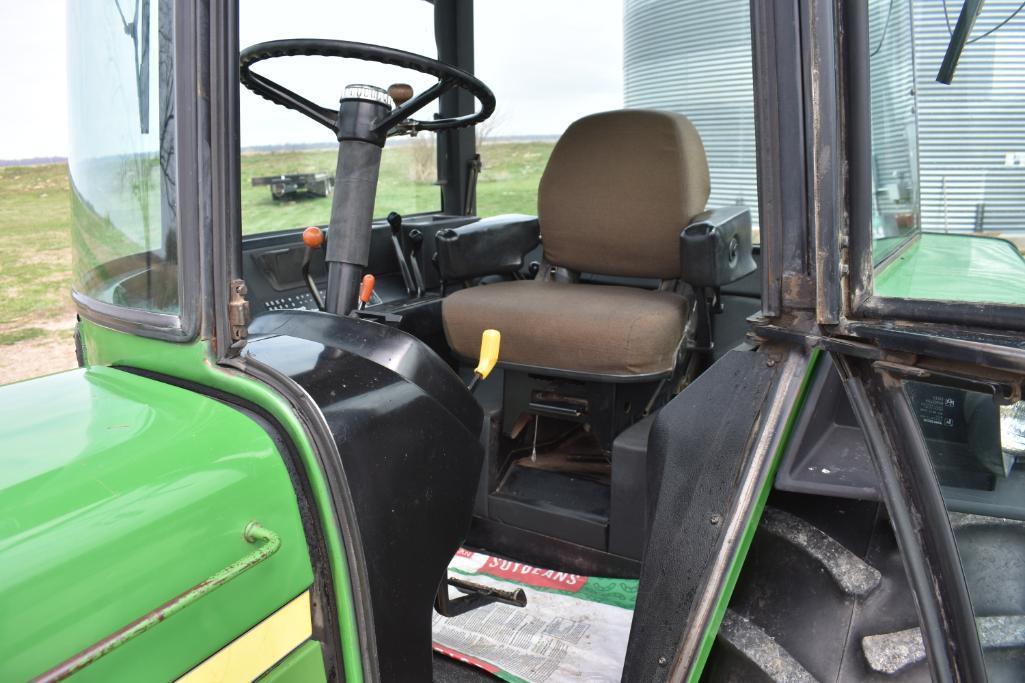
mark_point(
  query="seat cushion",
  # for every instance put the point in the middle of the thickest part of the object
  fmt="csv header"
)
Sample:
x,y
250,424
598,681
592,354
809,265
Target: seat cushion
x,y
595,329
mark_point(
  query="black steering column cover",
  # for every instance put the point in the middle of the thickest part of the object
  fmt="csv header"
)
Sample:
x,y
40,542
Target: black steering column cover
x,y
408,434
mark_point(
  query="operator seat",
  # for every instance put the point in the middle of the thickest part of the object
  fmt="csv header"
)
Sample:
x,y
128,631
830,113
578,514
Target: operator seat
x,y
616,193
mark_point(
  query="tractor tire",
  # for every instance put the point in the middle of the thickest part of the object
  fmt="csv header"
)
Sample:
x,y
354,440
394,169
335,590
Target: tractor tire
x,y
821,574
823,596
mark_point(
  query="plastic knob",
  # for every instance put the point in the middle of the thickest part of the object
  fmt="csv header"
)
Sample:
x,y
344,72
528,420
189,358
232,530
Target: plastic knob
x,y
394,222
490,341
313,237
400,93
366,288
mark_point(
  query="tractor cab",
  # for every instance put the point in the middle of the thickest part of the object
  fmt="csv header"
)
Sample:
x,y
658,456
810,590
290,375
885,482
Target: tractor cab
x,y
421,341
601,296
606,287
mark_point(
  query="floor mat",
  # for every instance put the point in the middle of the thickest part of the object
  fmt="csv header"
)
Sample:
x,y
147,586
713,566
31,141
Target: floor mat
x,y
572,628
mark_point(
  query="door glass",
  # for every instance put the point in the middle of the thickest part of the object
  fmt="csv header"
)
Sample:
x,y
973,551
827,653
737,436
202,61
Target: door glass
x,y
288,161
895,201
537,102
948,161
121,163
975,445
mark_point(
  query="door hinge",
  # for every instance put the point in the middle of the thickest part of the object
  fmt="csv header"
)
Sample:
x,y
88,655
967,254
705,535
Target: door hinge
x,y
238,313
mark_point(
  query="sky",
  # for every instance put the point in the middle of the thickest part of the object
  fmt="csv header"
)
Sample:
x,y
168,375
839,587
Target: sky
x,y
544,74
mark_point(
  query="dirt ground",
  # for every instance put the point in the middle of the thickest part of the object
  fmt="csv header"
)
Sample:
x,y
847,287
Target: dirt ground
x,y
51,352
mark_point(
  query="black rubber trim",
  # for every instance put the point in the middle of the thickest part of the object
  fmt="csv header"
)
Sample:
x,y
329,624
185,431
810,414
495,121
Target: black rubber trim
x,y
917,511
326,451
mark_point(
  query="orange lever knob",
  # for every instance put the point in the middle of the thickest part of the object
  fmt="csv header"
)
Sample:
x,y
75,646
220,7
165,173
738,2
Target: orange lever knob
x,y
313,237
366,288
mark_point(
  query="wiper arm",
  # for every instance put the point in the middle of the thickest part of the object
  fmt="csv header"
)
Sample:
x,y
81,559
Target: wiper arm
x,y
958,39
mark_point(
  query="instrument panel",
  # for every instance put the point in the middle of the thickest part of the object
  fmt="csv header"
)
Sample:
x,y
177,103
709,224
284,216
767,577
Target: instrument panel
x,y
272,263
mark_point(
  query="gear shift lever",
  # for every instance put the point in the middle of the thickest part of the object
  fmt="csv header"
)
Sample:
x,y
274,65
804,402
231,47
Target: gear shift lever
x,y
395,223
416,238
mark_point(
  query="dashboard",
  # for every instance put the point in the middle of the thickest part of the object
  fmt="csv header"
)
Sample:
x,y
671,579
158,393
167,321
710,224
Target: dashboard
x,y
272,263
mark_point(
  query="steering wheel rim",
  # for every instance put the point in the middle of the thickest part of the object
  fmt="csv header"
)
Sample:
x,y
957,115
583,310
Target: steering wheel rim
x,y
448,76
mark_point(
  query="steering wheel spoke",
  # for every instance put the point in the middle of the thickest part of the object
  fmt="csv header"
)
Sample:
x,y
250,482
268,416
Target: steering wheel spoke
x,y
294,101
406,110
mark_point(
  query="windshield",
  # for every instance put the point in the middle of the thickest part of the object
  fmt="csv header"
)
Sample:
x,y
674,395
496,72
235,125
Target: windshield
x,y
947,158
639,54
650,54
288,161
121,161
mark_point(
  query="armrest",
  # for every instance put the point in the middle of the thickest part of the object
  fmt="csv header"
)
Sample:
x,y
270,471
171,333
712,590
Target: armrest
x,y
715,249
491,246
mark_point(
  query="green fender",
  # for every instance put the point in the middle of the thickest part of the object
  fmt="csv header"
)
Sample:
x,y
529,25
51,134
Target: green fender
x,y
119,493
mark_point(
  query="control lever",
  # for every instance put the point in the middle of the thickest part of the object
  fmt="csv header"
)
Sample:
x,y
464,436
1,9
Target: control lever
x,y
366,290
475,595
313,238
490,342
416,238
395,222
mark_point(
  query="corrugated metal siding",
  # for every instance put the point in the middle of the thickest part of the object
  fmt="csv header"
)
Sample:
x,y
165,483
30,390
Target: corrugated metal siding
x,y
695,58
892,102
967,130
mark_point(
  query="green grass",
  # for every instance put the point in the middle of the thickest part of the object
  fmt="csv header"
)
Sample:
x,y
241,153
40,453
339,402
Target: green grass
x,y
20,334
35,242
507,184
36,214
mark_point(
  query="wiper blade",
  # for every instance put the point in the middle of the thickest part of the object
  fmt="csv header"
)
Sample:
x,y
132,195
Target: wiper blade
x,y
958,39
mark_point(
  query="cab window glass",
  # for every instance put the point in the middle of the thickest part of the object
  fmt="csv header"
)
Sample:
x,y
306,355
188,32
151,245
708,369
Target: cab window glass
x,y
540,90
121,163
650,54
975,444
948,162
288,161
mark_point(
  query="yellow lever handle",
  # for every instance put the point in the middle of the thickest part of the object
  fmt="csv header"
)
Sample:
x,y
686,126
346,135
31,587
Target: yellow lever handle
x,y
490,342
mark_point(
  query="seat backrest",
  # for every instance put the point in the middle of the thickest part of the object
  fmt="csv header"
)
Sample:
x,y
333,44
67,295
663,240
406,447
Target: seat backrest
x,y
618,189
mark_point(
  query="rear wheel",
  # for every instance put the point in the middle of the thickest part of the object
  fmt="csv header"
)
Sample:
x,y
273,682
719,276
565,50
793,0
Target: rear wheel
x,y
823,596
821,575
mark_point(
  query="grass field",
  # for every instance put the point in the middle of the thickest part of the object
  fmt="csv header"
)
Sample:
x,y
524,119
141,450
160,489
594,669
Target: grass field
x,y
508,182
36,314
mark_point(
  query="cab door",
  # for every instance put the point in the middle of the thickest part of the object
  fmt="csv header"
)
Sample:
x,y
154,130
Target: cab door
x,y
149,533
929,310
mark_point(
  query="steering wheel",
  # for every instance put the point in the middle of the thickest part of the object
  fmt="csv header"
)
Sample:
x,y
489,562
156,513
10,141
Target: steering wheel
x,y
362,124
396,121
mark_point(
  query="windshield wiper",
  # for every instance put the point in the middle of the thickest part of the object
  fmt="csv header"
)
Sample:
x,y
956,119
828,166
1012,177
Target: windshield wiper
x,y
958,39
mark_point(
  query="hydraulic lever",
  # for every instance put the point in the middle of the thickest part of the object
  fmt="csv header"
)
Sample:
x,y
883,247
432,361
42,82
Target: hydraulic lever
x,y
416,239
313,238
366,291
395,223
490,343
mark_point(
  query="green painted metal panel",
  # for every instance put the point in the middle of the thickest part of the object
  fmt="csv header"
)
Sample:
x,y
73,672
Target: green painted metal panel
x,y
944,267
304,665
118,493
194,362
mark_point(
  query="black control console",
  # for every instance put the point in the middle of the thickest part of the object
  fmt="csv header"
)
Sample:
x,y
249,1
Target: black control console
x,y
272,263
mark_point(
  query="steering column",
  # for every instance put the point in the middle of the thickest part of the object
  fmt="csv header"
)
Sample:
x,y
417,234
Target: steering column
x,y
352,206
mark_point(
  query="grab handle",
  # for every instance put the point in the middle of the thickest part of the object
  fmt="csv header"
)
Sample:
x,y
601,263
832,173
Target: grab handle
x,y
269,542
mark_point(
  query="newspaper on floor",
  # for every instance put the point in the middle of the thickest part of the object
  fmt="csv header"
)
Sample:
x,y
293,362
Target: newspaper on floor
x,y
573,627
